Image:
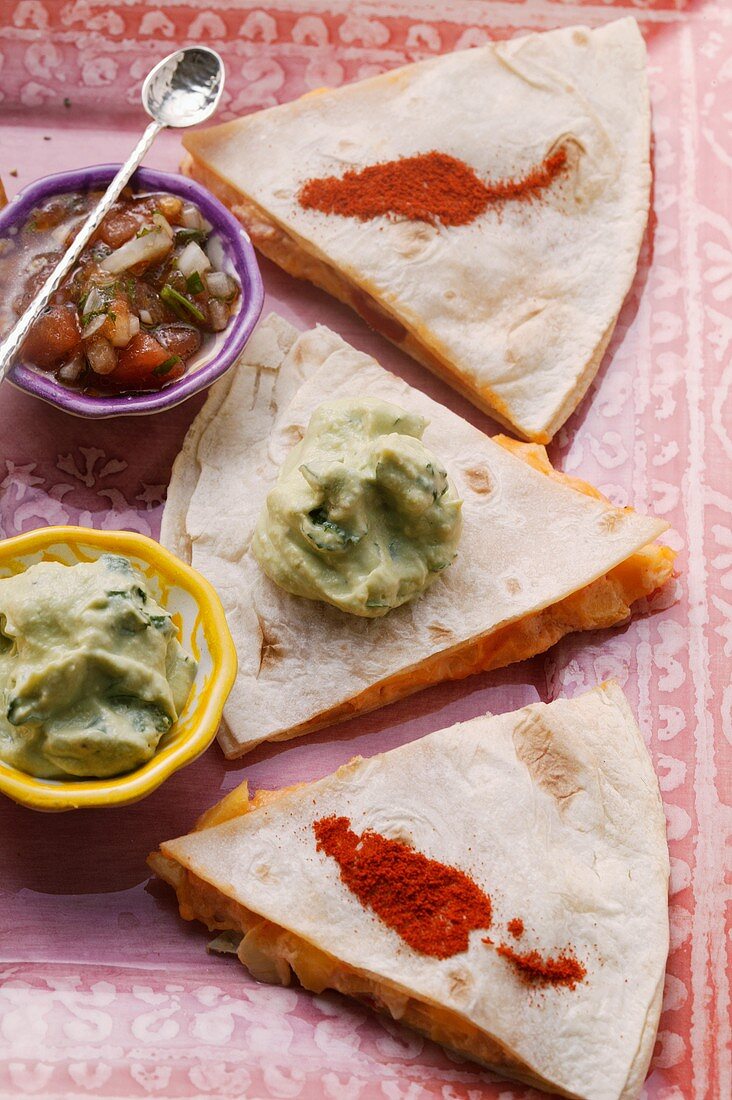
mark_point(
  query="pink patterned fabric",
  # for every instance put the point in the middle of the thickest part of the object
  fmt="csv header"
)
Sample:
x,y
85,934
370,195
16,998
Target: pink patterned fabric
x,y
103,991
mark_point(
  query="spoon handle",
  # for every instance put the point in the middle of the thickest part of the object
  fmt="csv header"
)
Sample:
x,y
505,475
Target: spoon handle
x,y
12,343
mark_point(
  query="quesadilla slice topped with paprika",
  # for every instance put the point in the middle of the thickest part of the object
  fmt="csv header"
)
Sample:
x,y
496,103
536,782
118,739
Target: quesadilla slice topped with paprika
x,y
539,554
501,886
484,209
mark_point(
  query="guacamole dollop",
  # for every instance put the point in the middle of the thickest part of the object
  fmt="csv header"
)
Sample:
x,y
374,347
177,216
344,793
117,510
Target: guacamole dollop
x,y
363,515
91,671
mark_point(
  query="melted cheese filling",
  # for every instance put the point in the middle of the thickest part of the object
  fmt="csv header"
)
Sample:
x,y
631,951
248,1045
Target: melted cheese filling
x,y
272,955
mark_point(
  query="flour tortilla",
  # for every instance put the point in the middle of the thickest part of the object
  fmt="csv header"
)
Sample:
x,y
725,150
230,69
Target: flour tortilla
x,y
527,541
516,309
554,810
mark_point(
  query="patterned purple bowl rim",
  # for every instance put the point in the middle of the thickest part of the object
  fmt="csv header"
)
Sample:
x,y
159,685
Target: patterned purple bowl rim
x,y
237,247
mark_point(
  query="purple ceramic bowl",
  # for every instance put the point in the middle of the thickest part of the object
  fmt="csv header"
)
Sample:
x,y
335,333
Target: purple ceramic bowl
x,y
240,259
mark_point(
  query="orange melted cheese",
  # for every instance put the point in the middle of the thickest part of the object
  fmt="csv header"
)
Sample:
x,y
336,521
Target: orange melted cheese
x,y
273,954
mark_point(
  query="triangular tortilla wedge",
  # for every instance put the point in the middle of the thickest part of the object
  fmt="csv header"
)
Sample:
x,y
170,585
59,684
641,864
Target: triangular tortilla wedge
x,y
537,558
554,812
515,309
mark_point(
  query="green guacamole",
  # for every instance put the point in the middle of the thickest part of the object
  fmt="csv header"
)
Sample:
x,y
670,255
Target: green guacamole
x,y
363,515
91,671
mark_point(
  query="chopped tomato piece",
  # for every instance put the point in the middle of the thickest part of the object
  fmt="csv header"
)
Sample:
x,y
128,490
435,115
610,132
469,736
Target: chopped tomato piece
x,y
38,270
56,335
120,226
145,364
48,216
183,340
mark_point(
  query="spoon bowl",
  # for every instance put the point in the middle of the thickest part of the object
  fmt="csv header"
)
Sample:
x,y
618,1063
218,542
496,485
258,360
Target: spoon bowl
x,y
184,88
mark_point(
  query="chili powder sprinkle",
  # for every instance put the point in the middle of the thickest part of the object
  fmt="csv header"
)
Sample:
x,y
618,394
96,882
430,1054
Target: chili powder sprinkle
x,y
565,969
432,906
516,927
428,187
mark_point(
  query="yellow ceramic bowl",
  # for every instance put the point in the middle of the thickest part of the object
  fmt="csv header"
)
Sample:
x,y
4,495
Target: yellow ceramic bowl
x,y
199,616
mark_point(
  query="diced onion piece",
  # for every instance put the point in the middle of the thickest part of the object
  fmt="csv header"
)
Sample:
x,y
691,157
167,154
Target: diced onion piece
x,y
64,232
94,325
264,965
162,223
124,325
220,285
71,371
146,249
94,302
191,217
146,317
218,313
101,355
193,258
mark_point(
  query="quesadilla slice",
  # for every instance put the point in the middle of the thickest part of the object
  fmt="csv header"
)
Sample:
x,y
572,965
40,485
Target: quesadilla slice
x,y
501,886
484,210
540,554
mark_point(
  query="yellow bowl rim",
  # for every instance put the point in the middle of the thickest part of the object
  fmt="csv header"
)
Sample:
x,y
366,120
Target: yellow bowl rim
x,y
40,794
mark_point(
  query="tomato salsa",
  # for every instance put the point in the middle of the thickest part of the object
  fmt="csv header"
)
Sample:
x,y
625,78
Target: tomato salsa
x,y
144,298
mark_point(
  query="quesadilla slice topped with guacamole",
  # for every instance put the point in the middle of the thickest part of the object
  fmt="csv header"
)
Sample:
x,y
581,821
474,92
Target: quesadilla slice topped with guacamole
x,y
501,886
515,554
484,209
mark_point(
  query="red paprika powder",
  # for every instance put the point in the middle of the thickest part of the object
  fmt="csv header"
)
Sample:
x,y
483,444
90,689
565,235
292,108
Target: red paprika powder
x,y
565,969
430,187
432,906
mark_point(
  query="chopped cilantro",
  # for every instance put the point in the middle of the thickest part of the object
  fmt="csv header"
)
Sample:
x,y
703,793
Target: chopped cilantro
x,y
160,622
194,283
183,236
180,304
167,366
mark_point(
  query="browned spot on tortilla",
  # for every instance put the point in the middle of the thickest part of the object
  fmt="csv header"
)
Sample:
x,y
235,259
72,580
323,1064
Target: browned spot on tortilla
x,y
402,832
294,434
609,521
541,750
460,983
439,632
299,354
413,238
513,587
271,651
580,38
374,316
479,479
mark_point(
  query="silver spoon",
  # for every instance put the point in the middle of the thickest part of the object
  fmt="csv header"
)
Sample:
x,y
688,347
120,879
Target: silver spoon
x,y
182,90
